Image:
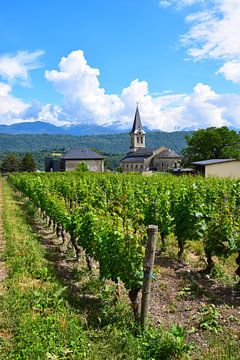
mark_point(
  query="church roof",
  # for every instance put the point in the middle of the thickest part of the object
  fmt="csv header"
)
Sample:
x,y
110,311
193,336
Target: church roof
x,y
140,155
81,154
144,151
139,159
137,123
169,154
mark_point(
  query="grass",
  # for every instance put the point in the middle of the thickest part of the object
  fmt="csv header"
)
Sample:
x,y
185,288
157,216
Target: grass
x,y
42,319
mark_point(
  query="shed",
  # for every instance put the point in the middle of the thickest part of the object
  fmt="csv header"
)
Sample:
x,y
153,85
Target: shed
x,y
225,168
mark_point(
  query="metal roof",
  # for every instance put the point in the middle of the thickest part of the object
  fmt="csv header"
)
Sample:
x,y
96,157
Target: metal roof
x,y
212,161
81,154
137,123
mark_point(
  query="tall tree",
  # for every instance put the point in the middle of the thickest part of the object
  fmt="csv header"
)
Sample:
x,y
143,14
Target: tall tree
x,y
10,164
212,143
28,163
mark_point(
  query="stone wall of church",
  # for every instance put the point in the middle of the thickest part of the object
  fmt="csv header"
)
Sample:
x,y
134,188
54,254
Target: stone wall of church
x,y
164,164
133,167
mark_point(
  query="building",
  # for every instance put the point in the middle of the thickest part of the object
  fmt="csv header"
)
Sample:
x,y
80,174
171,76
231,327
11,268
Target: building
x,y
141,158
226,168
73,158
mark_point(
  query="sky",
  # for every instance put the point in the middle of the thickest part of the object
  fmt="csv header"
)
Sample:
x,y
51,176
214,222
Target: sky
x,y
91,61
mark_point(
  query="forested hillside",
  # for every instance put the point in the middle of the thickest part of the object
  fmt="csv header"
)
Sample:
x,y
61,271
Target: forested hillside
x,y
110,144
113,146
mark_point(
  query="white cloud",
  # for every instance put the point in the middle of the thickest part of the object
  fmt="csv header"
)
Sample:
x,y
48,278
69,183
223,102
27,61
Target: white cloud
x,y
179,3
15,110
86,102
15,67
231,71
83,97
10,106
214,33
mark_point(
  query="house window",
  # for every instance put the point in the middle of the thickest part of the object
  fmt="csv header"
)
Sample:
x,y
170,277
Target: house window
x,y
138,140
141,140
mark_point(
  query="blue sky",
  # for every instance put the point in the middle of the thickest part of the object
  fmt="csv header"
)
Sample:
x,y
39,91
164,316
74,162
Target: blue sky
x,y
91,61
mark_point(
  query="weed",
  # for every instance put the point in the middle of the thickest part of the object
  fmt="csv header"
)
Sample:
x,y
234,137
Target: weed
x,y
209,319
193,291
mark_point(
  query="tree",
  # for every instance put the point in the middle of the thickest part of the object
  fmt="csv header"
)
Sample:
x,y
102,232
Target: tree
x,y
212,143
10,164
82,167
28,164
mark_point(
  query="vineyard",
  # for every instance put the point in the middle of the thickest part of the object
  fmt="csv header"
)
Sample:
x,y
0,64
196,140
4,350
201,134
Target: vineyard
x,y
105,217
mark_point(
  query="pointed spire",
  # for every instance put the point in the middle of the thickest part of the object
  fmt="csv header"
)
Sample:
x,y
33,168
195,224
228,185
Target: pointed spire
x,y
137,123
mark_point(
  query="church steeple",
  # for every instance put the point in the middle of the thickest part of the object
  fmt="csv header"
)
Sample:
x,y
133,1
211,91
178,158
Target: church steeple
x,y
137,134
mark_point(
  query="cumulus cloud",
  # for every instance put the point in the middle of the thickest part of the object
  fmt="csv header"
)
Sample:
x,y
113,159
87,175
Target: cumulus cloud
x,y
15,67
15,110
86,102
10,106
83,97
231,71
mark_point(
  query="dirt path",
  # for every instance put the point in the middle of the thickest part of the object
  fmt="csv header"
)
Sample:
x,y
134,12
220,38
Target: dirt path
x,y
3,271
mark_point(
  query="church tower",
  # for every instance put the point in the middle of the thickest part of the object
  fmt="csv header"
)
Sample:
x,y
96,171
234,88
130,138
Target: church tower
x,y
137,134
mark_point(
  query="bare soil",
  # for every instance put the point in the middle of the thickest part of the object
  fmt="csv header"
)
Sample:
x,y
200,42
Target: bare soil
x,y
186,296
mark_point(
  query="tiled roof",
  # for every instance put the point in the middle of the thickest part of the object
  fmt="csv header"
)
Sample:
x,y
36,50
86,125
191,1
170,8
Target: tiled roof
x,y
81,154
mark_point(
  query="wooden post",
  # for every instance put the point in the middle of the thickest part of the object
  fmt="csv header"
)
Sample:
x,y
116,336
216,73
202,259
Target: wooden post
x,y
152,232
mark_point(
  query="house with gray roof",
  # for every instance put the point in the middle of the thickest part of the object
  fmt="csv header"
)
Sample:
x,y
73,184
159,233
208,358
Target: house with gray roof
x,y
141,158
70,161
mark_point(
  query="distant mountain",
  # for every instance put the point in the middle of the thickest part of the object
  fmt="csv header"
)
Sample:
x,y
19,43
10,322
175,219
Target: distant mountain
x,y
36,127
91,130
41,127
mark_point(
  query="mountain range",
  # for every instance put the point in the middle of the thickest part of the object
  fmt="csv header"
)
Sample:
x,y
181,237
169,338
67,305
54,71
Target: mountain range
x,y
40,127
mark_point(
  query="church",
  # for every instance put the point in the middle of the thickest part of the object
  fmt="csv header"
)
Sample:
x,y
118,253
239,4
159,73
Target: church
x,y
141,158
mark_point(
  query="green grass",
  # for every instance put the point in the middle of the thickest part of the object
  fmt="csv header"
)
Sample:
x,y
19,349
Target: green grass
x,y
40,317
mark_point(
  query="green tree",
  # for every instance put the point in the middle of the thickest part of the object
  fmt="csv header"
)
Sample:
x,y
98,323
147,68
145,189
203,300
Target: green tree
x,y
82,167
212,143
10,164
28,164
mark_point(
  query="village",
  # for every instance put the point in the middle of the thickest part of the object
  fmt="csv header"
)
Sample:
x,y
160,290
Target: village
x,y
145,160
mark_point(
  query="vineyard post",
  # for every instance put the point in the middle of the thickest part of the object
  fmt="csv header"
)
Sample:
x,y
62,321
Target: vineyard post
x,y
152,232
